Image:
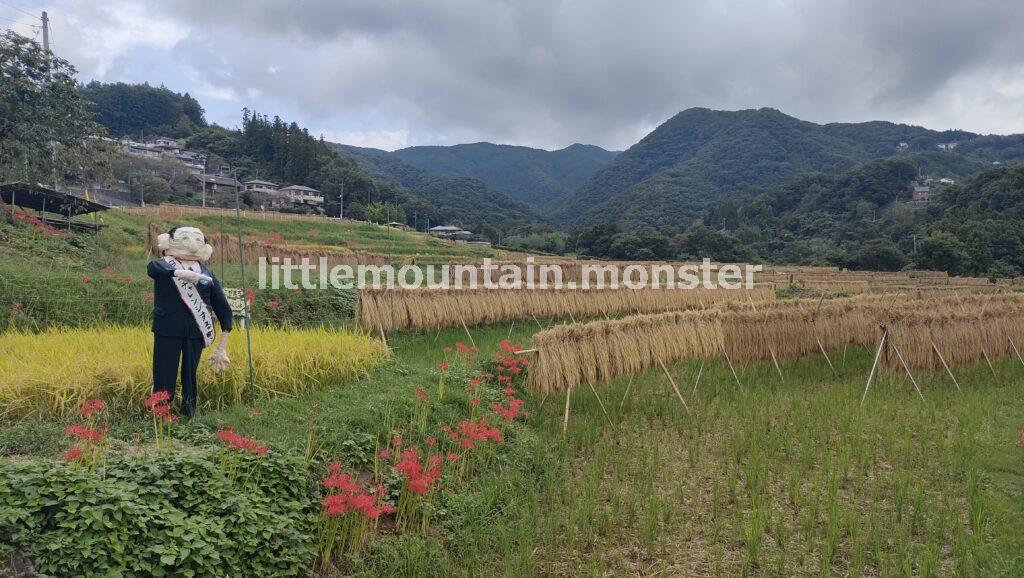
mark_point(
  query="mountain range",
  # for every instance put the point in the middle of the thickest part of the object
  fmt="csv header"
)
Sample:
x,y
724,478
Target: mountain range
x,y
692,162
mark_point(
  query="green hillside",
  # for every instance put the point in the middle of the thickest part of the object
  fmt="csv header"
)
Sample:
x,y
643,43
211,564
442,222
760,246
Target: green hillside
x,y
535,176
460,201
701,156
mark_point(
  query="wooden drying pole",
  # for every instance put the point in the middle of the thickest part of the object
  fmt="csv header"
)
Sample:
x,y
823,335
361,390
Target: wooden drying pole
x,y
874,366
1015,350
675,388
814,331
907,369
943,360
626,393
697,381
731,368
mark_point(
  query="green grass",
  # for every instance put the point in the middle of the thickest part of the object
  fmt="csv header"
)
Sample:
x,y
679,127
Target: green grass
x,y
776,478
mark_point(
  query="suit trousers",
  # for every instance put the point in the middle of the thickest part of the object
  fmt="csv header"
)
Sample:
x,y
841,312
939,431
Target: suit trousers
x,y
168,354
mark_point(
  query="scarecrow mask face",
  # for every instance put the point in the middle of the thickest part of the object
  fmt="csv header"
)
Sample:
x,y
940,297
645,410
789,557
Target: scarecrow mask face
x,y
188,243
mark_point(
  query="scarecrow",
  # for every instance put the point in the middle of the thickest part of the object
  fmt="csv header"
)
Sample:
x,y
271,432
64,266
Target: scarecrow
x,y
186,296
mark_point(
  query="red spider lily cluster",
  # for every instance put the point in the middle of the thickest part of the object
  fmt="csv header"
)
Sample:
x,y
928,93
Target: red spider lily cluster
x,y
159,406
348,513
35,221
420,476
239,443
91,438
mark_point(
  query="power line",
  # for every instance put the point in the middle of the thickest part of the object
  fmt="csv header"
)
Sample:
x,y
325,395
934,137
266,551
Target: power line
x,y
22,10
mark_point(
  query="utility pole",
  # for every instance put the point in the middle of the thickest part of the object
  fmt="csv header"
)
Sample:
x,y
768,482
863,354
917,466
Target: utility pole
x,y
46,32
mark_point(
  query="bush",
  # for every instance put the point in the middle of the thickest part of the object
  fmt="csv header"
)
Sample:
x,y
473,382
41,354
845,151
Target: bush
x,y
160,513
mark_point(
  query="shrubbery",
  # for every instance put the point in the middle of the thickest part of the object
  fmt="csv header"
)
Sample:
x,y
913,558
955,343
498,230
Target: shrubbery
x,y
160,513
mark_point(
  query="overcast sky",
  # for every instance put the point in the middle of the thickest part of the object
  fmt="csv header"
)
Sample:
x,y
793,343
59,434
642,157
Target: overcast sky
x,y
548,73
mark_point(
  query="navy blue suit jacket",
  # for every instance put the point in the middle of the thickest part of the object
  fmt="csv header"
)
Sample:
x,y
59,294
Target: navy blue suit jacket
x,y
171,317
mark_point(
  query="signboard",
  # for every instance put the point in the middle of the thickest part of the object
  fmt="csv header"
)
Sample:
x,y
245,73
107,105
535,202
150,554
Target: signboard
x,y
236,300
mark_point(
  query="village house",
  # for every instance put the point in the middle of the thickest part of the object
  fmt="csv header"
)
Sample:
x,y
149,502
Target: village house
x,y
921,193
213,184
449,232
258,186
299,195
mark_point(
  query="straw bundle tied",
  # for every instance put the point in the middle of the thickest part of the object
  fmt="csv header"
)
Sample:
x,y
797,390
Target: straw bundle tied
x,y
386,310
568,356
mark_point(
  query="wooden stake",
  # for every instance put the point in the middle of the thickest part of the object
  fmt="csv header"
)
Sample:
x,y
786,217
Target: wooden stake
x,y
874,366
571,318
544,399
565,418
626,393
907,369
697,382
510,328
822,348
989,362
535,320
951,376
731,368
673,382
1015,350
600,403
380,327
468,334
776,362
844,355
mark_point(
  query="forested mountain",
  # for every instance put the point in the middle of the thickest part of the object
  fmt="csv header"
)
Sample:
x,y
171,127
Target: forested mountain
x,y
701,156
142,111
460,201
535,176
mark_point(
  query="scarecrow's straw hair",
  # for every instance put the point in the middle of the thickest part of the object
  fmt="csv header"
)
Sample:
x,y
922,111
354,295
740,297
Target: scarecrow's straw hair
x,y
387,310
963,331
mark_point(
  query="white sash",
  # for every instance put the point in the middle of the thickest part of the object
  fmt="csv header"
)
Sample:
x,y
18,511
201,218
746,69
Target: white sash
x,y
190,295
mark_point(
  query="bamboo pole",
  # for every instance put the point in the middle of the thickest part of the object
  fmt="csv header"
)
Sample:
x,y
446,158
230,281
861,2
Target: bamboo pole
x,y
943,360
989,362
874,366
822,348
468,334
600,403
565,418
674,387
1015,350
700,370
626,393
731,368
907,369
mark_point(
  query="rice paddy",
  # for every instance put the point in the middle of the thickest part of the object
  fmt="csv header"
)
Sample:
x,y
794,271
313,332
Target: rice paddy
x,y
52,373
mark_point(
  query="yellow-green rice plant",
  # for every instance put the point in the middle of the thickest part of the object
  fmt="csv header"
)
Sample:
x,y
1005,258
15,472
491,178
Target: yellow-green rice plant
x,y
53,372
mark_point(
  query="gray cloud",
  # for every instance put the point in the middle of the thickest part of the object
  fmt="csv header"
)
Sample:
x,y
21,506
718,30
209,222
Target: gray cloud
x,y
549,73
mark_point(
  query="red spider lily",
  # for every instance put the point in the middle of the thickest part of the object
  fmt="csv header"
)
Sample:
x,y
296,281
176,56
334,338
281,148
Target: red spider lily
x,y
419,479
106,269
250,295
85,278
511,412
461,347
431,441
474,402
157,398
447,349
452,456
256,411
509,391
385,454
444,366
387,508
236,441
93,407
421,395
272,304
84,433
73,454
127,279
334,467
1020,442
